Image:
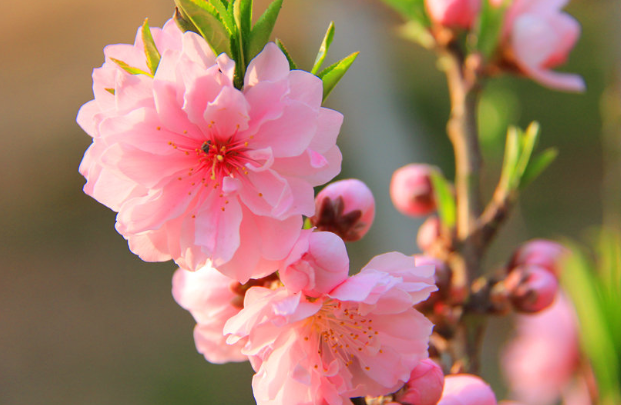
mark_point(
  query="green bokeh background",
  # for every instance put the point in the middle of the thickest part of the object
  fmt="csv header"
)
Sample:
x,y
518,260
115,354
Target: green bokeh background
x,y
84,321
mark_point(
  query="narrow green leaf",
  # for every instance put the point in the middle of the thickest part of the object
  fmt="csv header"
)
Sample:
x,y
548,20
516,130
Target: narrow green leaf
x,y
262,30
243,17
284,50
110,90
334,73
323,49
444,199
150,50
528,141
411,9
512,154
209,24
596,340
537,165
489,27
183,22
129,69
225,14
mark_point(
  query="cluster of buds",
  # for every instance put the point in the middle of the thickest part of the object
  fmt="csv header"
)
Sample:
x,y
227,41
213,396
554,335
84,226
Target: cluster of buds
x,y
529,284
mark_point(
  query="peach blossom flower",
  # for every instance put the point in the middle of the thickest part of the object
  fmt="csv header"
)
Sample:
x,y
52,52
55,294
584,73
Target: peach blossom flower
x,y
206,293
541,36
200,171
466,389
362,338
540,361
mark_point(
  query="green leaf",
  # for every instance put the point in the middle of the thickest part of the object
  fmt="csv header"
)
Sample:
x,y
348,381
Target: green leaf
x,y
537,165
150,50
243,18
335,72
580,280
225,14
323,49
512,155
209,24
411,9
262,30
489,27
528,141
110,90
183,22
129,69
284,50
445,200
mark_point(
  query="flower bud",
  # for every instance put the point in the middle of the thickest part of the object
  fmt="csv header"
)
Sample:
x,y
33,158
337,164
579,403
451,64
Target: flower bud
x,y
540,252
411,190
346,208
428,233
466,389
424,386
531,288
453,13
442,275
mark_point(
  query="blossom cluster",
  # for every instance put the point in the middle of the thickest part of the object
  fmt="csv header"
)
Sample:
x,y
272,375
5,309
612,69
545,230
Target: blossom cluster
x,y
218,173
219,179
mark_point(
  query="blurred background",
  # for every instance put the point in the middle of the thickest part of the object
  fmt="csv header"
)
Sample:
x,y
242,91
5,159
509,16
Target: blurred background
x,y
84,321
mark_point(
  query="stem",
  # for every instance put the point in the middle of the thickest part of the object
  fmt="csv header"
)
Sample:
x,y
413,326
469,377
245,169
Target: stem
x,y
463,132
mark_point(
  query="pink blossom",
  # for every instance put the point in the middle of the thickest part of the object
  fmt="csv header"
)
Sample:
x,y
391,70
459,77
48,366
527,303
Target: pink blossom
x,y
424,386
206,293
317,264
541,252
362,338
540,37
540,361
466,389
453,13
411,190
345,207
200,171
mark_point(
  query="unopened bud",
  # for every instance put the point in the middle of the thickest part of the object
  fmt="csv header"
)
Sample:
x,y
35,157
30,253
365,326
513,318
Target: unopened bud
x,y
424,386
428,233
540,252
531,288
453,13
442,277
346,208
466,389
411,190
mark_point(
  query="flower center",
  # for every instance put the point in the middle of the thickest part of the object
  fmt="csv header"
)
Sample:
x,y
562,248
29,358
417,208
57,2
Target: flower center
x,y
343,333
223,158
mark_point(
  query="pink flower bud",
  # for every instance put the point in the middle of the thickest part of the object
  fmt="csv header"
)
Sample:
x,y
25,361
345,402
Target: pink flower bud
x,y
541,252
540,37
453,13
466,389
428,233
425,385
411,190
345,207
531,288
